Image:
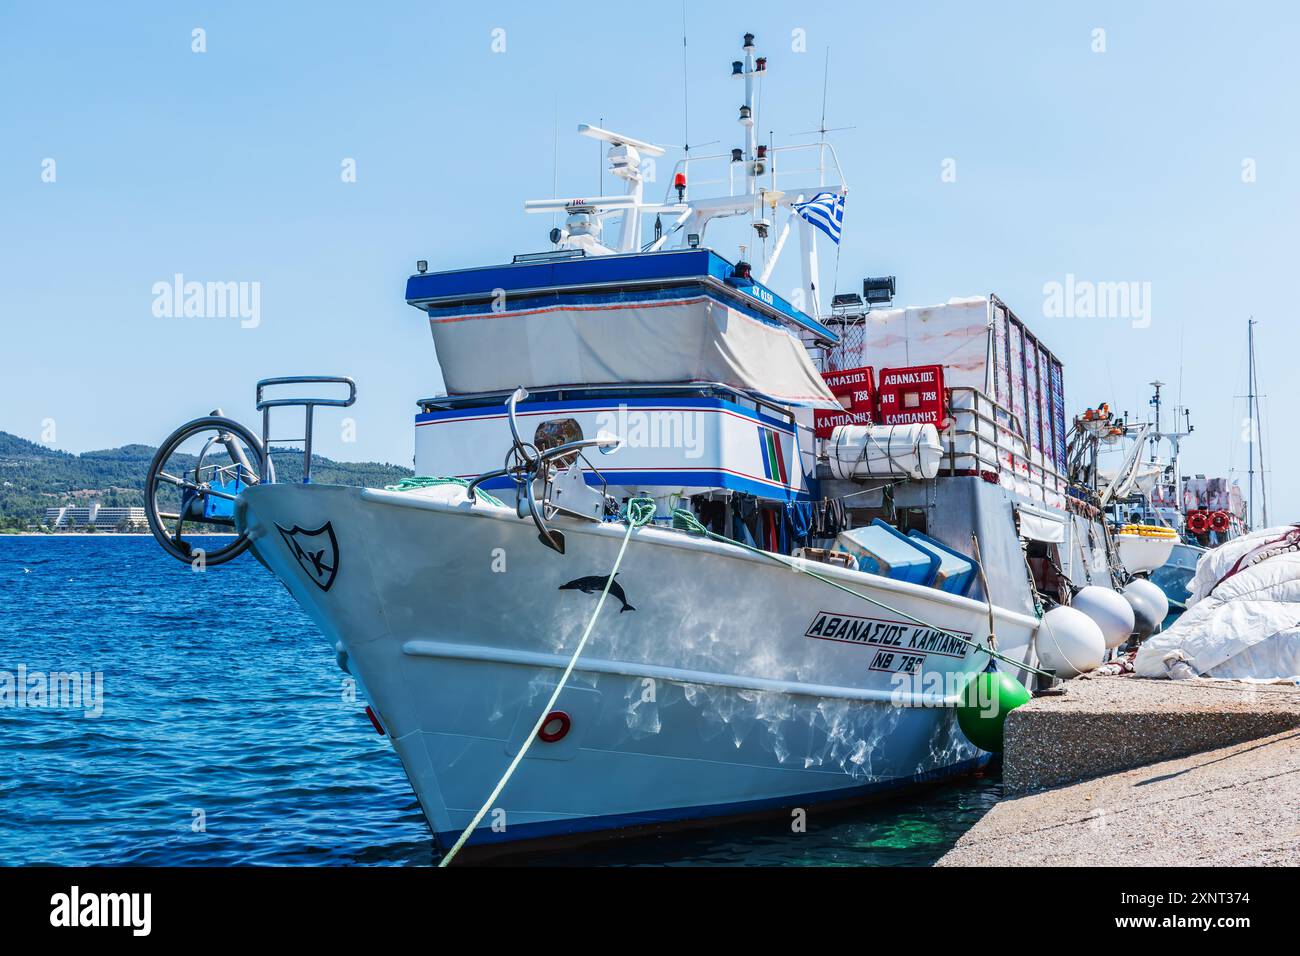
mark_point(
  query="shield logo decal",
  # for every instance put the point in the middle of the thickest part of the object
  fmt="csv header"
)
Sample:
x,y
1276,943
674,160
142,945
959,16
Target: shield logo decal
x,y
317,552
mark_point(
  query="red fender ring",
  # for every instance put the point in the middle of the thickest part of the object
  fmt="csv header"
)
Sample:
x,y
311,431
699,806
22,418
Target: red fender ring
x,y
555,727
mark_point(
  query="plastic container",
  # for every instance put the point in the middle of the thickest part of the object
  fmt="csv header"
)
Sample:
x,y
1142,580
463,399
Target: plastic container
x,y
881,549
956,571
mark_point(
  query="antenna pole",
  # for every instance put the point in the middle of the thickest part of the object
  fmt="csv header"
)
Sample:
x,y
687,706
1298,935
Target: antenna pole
x,y
821,147
686,92
555,155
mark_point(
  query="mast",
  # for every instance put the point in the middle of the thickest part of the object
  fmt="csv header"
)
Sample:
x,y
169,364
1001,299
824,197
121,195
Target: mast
x,y
749,109
1252,407
1171,488
1155,400
1250,415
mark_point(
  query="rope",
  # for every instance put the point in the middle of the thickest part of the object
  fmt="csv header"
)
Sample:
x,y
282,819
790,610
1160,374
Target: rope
x,y
684,520
640,512
424,481
1033,584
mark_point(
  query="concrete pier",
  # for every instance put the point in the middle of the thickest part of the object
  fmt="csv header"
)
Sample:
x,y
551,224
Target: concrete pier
x,y
1128,772
1110,724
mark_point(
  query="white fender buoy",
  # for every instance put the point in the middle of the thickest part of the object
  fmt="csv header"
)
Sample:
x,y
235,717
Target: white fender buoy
x,y
1108,610
1069,642
1149,605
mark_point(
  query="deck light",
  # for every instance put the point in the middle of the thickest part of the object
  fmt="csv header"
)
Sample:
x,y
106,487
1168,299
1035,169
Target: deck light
x,y
422,266
846,301
693,240
878,291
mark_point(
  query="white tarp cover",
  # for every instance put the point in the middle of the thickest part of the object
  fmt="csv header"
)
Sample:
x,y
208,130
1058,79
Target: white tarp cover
x,y
1243,616
954,335
692,339
1036,525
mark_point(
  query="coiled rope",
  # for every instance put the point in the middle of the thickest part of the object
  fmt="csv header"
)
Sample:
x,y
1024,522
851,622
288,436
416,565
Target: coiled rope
x,y
685,521
639,512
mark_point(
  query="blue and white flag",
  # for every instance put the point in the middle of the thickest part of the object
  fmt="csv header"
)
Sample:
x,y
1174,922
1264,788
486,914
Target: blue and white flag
x,y
825,211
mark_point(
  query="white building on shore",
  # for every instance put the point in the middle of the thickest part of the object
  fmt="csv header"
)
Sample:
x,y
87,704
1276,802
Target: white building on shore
x,y
94,516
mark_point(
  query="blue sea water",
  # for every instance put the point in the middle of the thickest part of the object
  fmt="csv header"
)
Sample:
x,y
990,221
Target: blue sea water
x,y
227,737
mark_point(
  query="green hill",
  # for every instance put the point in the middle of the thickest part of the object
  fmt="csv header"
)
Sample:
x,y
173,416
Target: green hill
x,y
33,477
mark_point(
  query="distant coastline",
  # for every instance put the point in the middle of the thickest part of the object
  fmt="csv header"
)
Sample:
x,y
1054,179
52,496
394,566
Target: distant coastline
x,y
36,481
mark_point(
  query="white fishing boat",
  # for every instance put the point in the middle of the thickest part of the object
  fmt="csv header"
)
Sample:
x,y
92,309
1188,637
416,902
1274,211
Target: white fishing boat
x,y
683,548
1165,521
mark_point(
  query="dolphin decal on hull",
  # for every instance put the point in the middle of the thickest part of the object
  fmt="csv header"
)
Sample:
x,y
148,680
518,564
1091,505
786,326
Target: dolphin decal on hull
x,y
594,584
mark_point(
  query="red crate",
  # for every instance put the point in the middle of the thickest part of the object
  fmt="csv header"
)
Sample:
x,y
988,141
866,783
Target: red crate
x,y
911,395
855,388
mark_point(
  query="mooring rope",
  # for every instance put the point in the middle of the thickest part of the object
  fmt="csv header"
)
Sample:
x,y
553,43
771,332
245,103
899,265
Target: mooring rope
x,y
686,521
640,512
431,481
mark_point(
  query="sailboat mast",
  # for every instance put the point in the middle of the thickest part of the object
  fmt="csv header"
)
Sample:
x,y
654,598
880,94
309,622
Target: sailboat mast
x,y
1250,413
1256,436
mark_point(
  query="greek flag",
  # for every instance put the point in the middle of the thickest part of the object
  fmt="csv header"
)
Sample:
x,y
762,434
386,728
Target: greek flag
x,y
825,211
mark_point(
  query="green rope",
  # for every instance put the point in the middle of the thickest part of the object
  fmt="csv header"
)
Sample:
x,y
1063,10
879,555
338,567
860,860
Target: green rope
x,y
638,513
684,520
425,481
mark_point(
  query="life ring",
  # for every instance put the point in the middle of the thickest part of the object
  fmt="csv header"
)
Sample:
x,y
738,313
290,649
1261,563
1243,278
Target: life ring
x,y
1219,521
555,727
1198,522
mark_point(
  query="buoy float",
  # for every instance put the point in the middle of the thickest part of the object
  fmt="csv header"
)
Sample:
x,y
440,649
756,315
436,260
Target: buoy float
x,y
985,702
1219,522
1069,642
1108,610
1149,603
1198,522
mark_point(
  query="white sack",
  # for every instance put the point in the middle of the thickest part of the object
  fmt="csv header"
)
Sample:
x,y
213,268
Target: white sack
x,y
1246,627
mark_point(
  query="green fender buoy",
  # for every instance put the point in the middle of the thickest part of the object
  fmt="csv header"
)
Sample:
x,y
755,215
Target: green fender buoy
x,y
985,702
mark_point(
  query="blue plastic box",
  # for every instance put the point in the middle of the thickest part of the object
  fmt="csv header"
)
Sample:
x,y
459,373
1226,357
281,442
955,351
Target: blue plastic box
x,y
881,549
956,571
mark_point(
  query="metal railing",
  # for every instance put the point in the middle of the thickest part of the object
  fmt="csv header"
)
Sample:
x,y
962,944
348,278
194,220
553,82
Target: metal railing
x,y
264,405
1000,446
613,392
773,176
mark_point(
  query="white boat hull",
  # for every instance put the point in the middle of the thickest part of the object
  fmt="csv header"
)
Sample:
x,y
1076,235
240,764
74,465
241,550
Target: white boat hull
x,y
730,685
1140,554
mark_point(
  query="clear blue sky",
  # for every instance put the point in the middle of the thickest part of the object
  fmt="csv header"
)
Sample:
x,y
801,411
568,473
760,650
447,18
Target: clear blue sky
x,y
225,166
